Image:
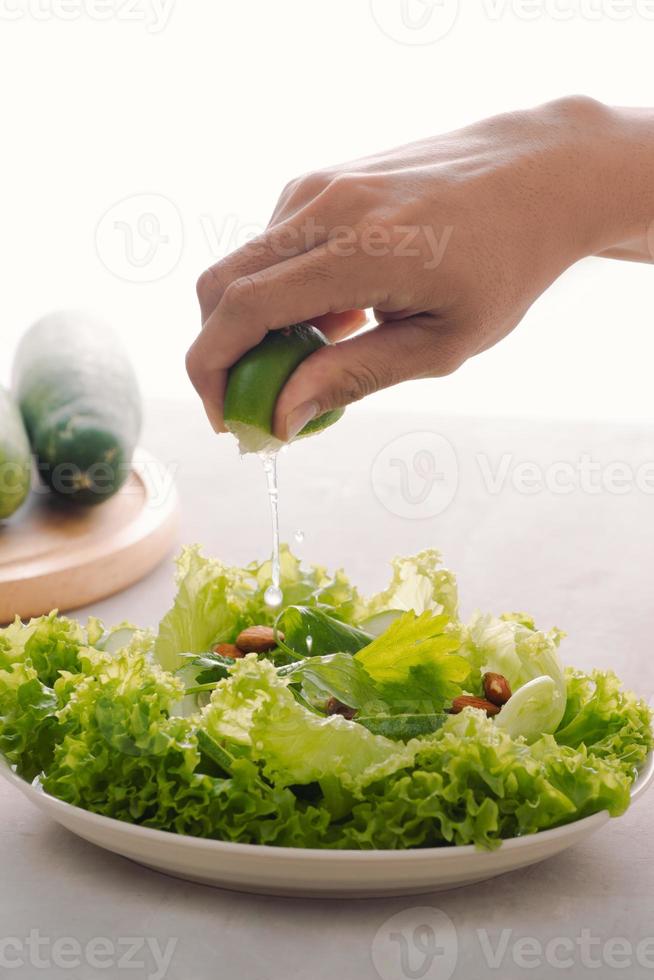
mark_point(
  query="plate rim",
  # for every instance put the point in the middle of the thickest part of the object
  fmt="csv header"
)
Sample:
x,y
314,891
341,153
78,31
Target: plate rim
x,y
30,790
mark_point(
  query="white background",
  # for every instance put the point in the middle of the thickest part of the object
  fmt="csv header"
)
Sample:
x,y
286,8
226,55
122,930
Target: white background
x,y
216,105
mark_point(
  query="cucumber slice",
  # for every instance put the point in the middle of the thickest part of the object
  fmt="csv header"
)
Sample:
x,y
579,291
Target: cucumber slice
x,y
117,639
379,623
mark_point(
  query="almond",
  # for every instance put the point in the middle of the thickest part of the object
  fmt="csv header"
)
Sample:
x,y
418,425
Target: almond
x,y
496,688
336,707
469,701
228,650
257,639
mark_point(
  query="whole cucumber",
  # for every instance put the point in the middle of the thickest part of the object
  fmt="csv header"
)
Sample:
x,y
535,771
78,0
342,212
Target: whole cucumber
x,y
81,405
15,457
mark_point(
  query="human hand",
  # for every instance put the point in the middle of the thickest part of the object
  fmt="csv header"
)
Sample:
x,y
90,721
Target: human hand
x,y
448,240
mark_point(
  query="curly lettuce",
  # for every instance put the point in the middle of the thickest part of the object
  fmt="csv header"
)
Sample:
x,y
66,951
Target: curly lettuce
x,y
294,745
94,715
474,784
611,722
32,658
215,601
210,607
419,584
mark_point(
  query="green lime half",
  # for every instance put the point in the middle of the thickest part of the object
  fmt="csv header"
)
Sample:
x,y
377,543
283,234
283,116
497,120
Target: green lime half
x,y
254,384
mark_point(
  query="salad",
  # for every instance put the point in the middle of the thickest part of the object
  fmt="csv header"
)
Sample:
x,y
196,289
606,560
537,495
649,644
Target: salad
x,y
340,722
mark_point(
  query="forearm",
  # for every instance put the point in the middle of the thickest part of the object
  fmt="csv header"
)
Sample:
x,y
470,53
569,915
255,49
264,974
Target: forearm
x,y
625,182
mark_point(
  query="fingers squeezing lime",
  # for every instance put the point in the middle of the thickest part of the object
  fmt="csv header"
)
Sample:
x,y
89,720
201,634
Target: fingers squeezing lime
x,y
256,380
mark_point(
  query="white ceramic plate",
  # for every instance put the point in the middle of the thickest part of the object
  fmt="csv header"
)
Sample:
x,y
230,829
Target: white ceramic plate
x,y
311,872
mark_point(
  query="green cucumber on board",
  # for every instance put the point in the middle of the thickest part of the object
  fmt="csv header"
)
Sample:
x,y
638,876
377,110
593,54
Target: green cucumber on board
x,y
15,457
81,405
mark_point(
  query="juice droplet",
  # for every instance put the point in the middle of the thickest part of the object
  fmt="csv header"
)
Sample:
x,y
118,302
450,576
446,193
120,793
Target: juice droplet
x,y
309,644
299,536
273,595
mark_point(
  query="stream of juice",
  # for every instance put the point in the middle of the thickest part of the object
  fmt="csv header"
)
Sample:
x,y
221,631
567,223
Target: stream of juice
x,y
273,595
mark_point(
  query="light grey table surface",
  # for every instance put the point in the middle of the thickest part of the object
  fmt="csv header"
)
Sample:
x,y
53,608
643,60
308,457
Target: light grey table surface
x,y
553,518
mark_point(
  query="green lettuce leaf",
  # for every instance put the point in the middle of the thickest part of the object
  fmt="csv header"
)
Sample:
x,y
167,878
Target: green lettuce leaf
x,y
474,784
337,675
205,669
120,753
411,670
419,584
211,606
415,664
303,585
254,706
611,722
214,601
96,718
312,632
12,642
402,727
342,597
32,659
51,644
28,720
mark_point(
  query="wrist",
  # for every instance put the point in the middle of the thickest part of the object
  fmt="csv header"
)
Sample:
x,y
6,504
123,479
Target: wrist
x,y
617,184
600,172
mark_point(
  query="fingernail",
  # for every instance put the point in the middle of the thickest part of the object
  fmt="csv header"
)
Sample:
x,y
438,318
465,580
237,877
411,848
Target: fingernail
x,y
215,419
299,417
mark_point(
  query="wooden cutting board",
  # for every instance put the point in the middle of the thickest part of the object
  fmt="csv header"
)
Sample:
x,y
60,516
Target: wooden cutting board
x,y
57,556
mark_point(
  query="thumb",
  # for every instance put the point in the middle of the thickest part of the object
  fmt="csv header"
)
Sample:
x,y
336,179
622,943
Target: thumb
x,y
342,373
